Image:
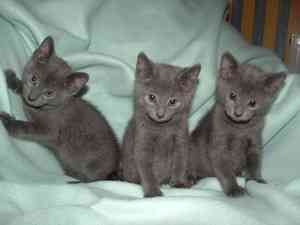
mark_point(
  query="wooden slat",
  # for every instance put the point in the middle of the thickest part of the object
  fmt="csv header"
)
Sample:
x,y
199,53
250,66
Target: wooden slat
x,y
248,19
271,23
228,13
282,27
236,19
259,21
294,23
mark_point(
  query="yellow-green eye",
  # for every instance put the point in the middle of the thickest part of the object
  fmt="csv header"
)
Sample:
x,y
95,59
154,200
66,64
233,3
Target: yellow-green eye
x,y
49,93
252,103
232,96
152,98
172,101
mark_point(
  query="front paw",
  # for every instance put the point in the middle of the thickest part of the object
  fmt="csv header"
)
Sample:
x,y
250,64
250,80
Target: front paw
x,y
181,183
153,192
257,179
236,191
6,118
193,180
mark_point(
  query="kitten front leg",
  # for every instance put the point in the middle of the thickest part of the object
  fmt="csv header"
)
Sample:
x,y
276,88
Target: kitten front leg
x,y
144,160
13,82
223,170
23,129
227,178
180,160
253,166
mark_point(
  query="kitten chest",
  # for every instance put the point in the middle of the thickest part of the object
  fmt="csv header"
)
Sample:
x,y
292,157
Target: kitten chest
x,y
163,150
237,150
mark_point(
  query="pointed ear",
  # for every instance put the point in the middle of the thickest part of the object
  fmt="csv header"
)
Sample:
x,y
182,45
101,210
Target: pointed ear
x,y
144,68
76,81
227,66
273,82
46,49
188,78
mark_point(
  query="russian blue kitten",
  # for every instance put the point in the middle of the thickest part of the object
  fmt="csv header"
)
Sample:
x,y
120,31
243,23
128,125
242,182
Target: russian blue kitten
x,y
228,140
155,145
78,134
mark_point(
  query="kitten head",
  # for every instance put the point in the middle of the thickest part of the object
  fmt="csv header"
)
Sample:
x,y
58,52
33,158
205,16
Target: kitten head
x,y
48,80
245,90
164,92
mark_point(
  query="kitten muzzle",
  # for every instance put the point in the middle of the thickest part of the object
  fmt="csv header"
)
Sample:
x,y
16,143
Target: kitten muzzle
x,y
236,118
158,120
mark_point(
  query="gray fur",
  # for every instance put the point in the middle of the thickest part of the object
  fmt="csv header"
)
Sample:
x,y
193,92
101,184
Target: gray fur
x,y
79,135
155,145
228,140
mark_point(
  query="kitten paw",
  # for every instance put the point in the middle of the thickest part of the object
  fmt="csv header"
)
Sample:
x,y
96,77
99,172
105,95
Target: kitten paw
x,y
153,193
182,184
193,180
257,179
236,192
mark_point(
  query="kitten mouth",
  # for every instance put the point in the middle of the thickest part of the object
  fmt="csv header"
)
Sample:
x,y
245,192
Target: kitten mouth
x,y
31,105
26,102
159,121
236,120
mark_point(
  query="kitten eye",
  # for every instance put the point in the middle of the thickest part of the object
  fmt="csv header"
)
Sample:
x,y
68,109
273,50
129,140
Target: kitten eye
x,y
49,93
172,101
152,98
33,78
232,96
252,103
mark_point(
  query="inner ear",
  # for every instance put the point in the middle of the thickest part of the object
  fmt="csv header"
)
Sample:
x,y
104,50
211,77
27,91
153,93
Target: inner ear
x,y
188,77
144,68
46,49
75,82
273,82
228,66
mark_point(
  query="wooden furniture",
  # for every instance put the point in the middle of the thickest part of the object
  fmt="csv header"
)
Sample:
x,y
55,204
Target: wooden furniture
x,y
269,23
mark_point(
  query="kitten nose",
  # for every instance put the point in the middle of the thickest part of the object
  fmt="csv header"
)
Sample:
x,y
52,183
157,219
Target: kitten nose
x,y
160,114
238,113
33,95
30,98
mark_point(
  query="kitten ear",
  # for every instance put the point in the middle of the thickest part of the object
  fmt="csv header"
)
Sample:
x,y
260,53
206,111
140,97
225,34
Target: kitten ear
x,y
76,81
46,49
227,66
273,82
188,78
144,68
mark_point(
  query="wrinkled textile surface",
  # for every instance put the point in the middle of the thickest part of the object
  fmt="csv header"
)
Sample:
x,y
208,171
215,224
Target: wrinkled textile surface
x,y
103,38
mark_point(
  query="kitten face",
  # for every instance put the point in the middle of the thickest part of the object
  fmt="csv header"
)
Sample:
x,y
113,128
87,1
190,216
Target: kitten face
x,y
163,91
161,105
48,80
244,90
242,105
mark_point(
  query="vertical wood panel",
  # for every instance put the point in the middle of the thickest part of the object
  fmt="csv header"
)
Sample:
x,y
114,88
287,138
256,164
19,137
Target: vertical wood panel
x,y
236,20
248,19
282,18
228,12
294,23
259,21
271,23
282,27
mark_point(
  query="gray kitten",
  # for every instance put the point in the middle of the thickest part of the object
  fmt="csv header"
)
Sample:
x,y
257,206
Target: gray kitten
x,y
228,140
155,145
79,135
